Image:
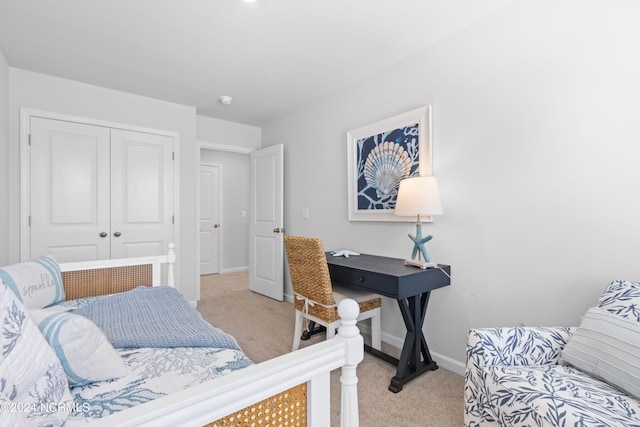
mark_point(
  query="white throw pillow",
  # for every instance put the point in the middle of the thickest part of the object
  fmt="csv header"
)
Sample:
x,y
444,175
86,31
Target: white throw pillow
x,y
607,346
82,348
36,283
31,376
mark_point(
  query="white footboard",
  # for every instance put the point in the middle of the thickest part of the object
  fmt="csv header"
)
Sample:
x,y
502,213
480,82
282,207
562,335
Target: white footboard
x,y
205,403
209,402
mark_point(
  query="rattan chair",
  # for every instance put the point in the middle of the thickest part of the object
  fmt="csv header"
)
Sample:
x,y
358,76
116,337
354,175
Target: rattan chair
x,y
316,298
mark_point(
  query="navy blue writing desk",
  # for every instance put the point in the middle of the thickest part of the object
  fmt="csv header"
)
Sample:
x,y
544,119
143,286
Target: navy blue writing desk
x,y
411,287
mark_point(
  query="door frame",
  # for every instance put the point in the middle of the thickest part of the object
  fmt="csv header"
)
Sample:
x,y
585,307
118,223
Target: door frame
x,y
200,145
25,166
220,211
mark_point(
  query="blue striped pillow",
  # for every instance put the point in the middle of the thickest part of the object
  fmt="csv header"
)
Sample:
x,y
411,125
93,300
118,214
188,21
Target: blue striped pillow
x,y
81,347
607,346
36,283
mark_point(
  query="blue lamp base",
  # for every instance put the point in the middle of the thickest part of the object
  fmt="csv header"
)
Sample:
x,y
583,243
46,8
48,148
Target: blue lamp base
x,y
419,249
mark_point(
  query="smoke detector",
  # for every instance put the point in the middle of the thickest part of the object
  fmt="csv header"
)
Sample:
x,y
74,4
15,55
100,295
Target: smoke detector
x,y
226,100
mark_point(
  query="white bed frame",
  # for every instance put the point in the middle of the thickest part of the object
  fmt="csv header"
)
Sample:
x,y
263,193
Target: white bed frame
x,y
211,401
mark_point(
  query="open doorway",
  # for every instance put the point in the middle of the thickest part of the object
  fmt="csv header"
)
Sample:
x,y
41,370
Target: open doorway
x,y
223,224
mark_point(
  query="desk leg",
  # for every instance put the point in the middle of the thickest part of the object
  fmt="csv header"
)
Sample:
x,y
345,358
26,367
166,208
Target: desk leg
x,y
415,358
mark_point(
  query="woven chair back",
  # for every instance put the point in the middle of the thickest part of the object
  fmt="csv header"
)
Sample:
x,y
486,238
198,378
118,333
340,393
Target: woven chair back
x,y
310,275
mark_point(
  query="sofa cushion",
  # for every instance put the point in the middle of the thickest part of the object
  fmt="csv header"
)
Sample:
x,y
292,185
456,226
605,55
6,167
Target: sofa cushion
x,y
82,348
556,395
607,346
36,283
623,299
31,376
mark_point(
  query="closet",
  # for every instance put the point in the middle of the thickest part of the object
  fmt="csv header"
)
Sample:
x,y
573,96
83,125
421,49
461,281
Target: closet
x,y
97,192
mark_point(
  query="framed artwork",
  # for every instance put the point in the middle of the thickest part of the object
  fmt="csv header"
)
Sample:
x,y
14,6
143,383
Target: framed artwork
x,y
381,154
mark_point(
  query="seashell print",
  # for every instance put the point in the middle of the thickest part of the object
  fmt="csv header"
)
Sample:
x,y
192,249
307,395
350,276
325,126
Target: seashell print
x,y
386,165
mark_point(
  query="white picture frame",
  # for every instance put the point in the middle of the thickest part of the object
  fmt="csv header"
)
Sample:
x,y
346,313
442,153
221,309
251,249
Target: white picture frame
x,y
378,156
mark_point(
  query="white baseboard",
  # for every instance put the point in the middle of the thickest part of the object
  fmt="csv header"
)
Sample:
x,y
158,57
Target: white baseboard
x,y
443,361
288,298
234,270
446,362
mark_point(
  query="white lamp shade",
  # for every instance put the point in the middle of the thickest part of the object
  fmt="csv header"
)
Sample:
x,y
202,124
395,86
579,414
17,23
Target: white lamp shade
x,y
418,195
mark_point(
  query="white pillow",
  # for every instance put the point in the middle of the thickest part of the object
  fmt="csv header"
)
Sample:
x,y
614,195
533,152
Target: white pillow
x,y
36,283
82,348
31,376
607,346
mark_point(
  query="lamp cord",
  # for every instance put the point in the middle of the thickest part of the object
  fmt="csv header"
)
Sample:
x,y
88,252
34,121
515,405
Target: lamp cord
x,y
442,269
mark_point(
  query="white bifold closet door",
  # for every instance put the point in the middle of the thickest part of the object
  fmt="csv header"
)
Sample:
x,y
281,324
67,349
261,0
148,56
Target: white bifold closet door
x,y
99,193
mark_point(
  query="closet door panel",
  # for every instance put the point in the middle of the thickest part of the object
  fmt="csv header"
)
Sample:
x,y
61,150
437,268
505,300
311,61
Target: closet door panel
x,y
141,193
69,190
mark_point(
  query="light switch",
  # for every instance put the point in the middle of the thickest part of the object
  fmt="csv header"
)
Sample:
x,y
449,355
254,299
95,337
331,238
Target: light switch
x,y
304,213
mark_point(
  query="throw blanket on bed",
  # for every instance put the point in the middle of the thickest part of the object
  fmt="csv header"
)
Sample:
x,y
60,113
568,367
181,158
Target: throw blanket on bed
x,y
153,317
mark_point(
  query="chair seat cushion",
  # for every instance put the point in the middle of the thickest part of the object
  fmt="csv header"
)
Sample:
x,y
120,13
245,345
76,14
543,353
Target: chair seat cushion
x,y
341,292
366,300
556,395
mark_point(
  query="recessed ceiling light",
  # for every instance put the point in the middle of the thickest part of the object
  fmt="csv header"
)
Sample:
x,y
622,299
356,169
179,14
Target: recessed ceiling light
x,y
226,100
249,1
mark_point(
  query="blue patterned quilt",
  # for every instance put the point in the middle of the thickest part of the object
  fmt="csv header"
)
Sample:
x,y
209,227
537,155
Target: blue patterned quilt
x,y
174,364
157,317
153,373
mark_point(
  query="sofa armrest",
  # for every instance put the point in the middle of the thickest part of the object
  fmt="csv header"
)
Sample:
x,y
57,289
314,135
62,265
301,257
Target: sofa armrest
x,y
514,346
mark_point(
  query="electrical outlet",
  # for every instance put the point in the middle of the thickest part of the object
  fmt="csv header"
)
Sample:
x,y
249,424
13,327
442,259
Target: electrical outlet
x,y
304,213
243,214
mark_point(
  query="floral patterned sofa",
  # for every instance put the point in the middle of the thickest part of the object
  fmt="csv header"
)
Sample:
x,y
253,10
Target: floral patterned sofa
x,y
546,376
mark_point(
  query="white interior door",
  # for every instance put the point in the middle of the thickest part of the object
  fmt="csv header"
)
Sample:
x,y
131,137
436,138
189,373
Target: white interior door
x,y
141,193
210,219
266,223
69,195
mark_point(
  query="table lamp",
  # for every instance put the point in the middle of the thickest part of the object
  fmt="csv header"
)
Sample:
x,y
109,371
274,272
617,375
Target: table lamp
x,y
418,195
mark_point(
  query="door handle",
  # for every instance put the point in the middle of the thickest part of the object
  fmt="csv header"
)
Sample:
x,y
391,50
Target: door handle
x,y
117,234
216,225
103,234
278,230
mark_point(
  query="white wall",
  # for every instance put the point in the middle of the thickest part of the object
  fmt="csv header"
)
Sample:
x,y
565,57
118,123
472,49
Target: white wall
x,y
234,229
228,133
536,141
4,160
47,93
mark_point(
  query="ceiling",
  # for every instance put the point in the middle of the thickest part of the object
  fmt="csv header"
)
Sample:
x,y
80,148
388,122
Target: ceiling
x,y
272,56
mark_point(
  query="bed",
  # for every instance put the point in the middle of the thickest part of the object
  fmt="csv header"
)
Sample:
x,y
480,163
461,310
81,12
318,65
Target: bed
x,y
160,385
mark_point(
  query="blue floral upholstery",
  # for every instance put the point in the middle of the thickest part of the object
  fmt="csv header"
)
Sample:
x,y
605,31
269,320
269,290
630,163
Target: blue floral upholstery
x,y
509,347
622,298
513,376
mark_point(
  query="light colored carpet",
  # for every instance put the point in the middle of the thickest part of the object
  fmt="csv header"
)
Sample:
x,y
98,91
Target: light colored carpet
x,y
263,327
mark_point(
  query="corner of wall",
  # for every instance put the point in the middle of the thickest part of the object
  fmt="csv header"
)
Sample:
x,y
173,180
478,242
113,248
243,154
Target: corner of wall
x,y
4,158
